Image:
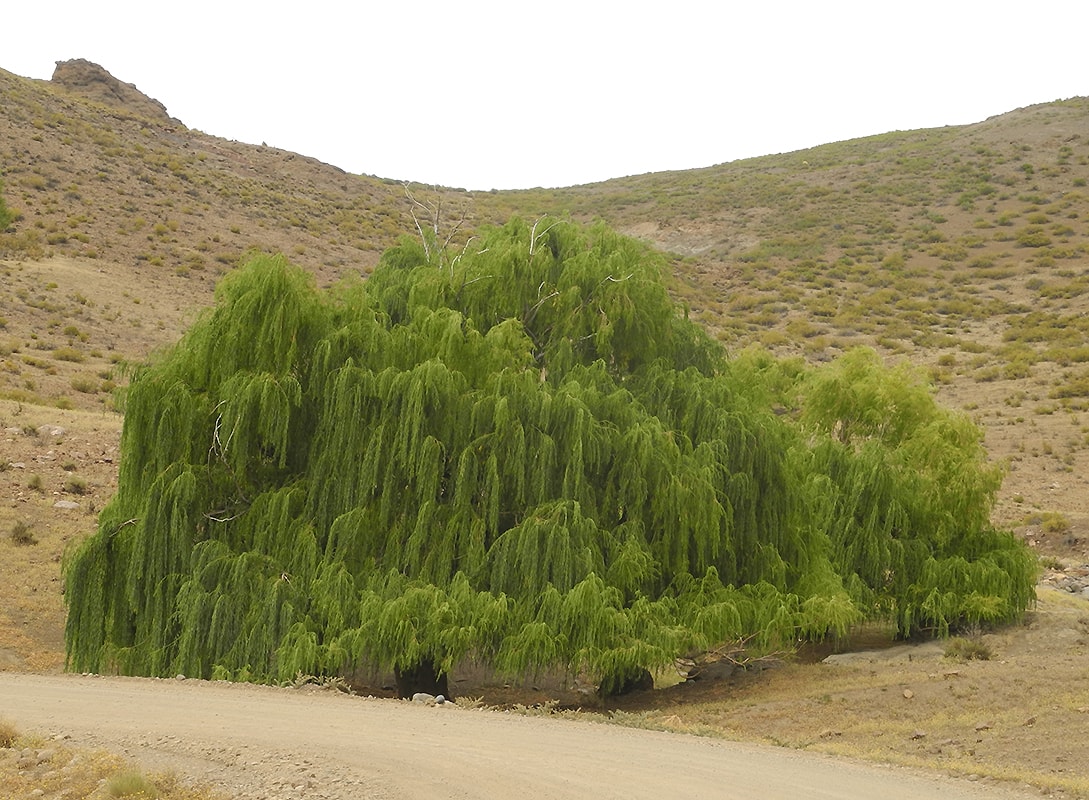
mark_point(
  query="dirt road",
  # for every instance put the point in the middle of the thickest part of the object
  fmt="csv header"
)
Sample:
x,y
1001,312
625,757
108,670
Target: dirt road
x,y
262,742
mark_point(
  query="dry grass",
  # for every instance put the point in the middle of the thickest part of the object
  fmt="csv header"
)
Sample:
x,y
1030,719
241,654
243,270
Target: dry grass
x,y
8,734
35,767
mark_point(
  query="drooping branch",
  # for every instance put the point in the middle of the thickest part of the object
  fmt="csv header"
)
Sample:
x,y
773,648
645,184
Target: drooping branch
x,y
532,462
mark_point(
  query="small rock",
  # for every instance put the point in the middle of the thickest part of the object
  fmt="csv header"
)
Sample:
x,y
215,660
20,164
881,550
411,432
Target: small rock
x,y
918,735
439,700
908,694
179,677
423,697
65,504
1028,723
45,756
983,726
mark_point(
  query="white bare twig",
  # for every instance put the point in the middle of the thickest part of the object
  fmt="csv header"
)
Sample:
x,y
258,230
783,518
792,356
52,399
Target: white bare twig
x,y
211,515
534,236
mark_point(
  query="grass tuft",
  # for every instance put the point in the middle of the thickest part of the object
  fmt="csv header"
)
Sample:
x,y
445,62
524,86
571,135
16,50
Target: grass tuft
x,y
131,784
8,734
961,648
21,535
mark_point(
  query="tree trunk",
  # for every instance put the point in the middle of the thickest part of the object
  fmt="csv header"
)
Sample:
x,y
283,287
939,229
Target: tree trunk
x,y
421,677
639,680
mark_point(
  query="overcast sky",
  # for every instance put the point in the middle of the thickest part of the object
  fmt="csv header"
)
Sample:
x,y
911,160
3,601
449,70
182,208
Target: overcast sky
x,y
480,94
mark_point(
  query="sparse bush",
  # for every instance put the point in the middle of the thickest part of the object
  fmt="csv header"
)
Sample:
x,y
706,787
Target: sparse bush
x,y
84,383
131,784
75,485
8,734
1056,523
35,482
21,535
963,648
1033,237
68,354
1049,521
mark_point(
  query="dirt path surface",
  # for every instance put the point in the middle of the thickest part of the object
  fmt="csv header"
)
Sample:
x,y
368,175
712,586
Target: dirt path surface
x,y
261,742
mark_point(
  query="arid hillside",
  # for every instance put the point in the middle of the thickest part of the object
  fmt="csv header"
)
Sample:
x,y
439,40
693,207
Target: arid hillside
x,y
962,250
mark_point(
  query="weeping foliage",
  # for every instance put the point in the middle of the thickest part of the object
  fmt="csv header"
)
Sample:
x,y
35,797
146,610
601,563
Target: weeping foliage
x,y
524,456
906,494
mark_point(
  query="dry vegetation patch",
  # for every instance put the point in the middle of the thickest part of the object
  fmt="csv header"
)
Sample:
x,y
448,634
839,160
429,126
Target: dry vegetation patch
x,y
33,767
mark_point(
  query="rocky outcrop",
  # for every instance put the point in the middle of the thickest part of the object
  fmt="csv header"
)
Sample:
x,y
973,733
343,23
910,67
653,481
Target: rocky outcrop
x,y
95,83
1073,578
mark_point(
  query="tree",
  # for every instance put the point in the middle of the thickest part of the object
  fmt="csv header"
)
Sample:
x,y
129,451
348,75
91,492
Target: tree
x,y
522,454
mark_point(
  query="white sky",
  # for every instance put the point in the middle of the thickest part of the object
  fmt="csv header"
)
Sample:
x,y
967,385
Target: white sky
x,y
483,94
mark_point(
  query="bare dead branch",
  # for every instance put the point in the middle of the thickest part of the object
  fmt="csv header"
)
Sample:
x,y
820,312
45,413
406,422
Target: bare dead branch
x,y
534,236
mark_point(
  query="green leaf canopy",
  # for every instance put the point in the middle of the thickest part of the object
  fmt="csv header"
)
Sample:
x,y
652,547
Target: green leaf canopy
x,y
524,455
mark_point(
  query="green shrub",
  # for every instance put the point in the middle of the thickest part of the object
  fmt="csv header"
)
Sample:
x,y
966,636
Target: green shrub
x,y
20,535
1049,521
68,354
1033,237
961,648
1056,523
84,383
75,485
131,784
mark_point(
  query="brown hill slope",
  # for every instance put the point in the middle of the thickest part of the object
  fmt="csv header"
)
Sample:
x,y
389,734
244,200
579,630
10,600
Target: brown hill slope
x,y
962,249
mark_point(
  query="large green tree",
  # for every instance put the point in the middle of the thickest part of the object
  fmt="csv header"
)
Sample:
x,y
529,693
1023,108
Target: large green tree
x,y
524,454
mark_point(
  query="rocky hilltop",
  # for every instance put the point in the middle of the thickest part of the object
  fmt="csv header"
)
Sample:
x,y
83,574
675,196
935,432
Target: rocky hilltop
x,y
96,84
